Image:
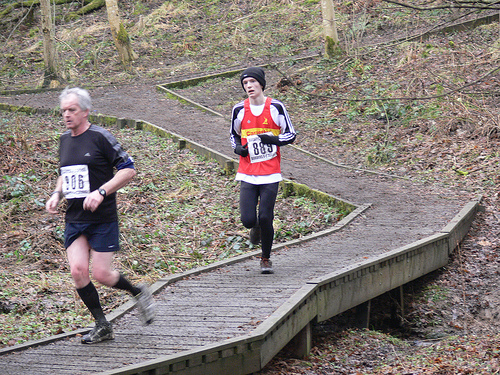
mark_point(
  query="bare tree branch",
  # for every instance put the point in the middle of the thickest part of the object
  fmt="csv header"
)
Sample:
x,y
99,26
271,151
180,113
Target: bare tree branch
x,y
479,5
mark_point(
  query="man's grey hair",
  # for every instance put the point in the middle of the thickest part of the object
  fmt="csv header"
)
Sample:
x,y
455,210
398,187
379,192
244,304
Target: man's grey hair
x,y
82,96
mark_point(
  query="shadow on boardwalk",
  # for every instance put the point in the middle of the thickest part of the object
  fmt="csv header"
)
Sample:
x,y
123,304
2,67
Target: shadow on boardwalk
x,y
232,301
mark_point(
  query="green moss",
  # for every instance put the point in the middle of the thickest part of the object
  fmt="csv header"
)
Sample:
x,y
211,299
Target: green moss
x,y
292,188
103,120
90,7
332,48
122,35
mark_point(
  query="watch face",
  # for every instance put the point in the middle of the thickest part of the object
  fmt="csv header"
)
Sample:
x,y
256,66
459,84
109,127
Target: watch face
x,y
102,192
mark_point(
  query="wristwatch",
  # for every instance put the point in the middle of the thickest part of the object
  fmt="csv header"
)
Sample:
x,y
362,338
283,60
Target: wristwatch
x,y
102,192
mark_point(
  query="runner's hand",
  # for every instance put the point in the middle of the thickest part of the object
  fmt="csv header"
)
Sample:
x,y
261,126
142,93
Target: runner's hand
x,y
51,205
269,139
241,150
92,201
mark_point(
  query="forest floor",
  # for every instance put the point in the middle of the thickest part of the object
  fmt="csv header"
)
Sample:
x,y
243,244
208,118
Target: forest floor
x,y
424,109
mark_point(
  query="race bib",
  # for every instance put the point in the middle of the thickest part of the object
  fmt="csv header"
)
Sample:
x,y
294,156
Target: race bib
x,y
259,151
76,183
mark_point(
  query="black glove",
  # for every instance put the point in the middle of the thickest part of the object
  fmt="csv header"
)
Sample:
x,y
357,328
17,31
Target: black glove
x,y
241,150
272,139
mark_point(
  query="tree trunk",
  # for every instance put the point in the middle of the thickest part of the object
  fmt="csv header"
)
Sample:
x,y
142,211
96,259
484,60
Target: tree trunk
x,y
49,50
119,33
329,28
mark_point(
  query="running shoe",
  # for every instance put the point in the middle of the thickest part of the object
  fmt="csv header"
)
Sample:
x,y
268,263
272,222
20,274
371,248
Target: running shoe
x,y
145,304
101,332
266,266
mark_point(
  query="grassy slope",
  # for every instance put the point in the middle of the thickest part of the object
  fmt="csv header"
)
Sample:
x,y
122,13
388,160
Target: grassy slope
x,y
447,140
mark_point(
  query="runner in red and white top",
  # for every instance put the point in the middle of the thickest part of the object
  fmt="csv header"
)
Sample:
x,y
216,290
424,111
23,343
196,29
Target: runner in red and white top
x,y
259,127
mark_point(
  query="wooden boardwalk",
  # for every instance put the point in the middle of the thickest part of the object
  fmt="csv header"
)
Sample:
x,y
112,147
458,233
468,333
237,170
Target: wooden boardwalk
x,y
233,300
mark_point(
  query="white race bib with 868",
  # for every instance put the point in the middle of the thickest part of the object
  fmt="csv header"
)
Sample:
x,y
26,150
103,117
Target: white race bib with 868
x,y
76,183
259,151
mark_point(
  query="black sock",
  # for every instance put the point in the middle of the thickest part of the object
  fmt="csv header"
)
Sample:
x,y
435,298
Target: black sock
x,y
124,284
90,297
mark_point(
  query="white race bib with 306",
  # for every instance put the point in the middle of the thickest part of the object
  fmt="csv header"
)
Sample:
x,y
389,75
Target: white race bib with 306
x,y
259,151
76,183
